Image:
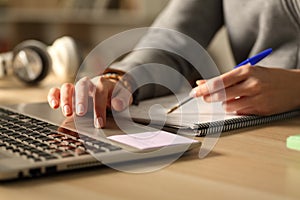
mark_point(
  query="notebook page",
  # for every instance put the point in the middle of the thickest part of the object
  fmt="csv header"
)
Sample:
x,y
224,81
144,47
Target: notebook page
x,y
194,112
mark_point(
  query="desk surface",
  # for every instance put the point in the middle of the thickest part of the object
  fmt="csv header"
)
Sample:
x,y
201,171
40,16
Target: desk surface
x,y
251,163
12,91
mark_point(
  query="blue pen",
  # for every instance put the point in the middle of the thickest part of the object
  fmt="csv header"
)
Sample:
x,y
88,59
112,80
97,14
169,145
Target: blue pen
x,y
253,60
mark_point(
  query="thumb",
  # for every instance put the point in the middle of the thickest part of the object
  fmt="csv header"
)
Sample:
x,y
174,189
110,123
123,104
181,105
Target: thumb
x,y
122,99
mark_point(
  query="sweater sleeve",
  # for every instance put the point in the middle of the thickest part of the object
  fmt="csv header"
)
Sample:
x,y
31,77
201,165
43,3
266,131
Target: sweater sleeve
x,y
198,20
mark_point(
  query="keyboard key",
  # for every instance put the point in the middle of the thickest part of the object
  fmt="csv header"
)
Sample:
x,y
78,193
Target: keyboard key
x,y
50,157
66,154
37,140
80,152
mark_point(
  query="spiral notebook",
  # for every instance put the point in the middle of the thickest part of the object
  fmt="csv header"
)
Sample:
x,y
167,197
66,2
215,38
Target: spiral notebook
x,y
197,117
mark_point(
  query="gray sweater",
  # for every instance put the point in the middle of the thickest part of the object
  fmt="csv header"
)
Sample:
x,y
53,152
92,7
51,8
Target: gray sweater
x,y
252,25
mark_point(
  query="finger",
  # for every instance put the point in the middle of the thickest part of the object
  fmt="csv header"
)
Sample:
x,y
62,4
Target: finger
x,y
237,75
100,102
67,91
207,87
200,82
54,97
245,88
121,97
250,88
241,103
224,81
82,89
215,97
197,91
245,111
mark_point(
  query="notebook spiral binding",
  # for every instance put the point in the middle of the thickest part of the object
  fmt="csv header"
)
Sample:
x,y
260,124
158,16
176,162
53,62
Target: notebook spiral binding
x,y
231,124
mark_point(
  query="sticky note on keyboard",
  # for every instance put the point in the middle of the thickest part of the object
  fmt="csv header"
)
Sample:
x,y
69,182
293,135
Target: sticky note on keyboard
x,y
149,140
293,142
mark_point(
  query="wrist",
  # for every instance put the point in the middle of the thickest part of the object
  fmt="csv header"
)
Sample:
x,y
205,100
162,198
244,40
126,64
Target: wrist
x,y
125,79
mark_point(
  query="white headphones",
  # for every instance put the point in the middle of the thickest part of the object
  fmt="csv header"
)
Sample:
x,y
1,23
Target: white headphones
x,y
31,60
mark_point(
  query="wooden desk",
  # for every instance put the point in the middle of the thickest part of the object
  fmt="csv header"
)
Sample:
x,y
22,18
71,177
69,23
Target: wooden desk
x,y
13,91
250,163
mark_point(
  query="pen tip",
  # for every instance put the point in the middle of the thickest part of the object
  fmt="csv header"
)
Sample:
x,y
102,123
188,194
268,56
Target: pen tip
x,y
172,109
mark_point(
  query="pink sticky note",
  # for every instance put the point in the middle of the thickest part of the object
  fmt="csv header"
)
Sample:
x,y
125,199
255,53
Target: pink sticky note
x,y
148,140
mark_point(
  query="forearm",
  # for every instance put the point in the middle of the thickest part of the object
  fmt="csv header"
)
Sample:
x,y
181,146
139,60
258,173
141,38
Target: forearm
x,y
190,18
198,19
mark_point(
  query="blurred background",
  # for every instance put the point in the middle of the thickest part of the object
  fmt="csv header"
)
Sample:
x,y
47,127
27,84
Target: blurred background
x,y
88,22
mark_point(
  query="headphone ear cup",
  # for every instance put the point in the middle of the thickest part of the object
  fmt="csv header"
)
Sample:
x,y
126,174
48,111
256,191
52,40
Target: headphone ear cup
x,y
5,64
65,58
40,50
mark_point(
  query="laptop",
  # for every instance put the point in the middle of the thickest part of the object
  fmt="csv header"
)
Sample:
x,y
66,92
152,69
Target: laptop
x,y
36,140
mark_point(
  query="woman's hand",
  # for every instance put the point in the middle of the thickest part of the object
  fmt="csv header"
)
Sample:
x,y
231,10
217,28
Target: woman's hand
x,y
105,93
253,90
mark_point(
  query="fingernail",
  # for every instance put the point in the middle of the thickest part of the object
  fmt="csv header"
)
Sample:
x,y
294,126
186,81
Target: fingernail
x,y
67,110
214,97
122,104
98,122
53,103
193,93
79,109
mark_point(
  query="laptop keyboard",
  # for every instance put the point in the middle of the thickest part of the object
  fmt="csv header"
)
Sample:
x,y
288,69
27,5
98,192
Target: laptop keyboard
x,y
38,140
